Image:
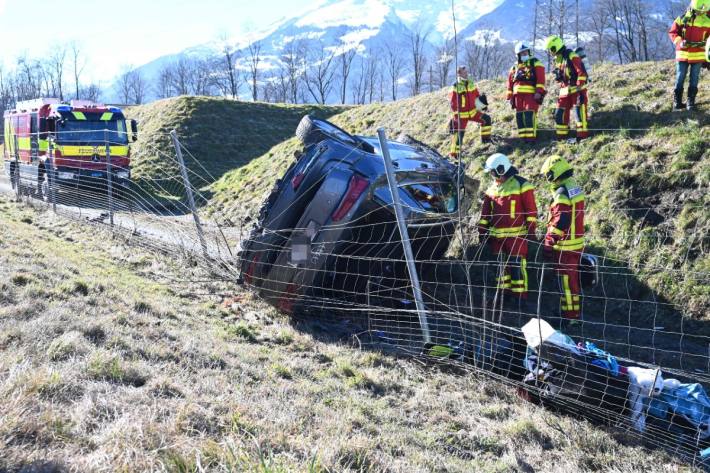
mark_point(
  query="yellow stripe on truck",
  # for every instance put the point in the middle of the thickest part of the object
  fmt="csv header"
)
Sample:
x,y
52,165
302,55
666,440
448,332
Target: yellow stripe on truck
x,y
106,117
92,150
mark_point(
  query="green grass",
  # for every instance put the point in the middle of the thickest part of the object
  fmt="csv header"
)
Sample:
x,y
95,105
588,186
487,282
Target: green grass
x,y
223,134
108,382
665,166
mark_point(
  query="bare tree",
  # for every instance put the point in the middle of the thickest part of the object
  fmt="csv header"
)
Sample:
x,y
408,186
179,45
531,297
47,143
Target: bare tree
x,y
445,55
165,80
292,65
132,86
78,66
319,72
230,59
254,50
345,60
394,63
417,49
57,59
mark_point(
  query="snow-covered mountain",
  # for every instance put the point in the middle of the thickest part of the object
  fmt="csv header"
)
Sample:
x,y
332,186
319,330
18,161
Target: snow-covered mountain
x,y
361,25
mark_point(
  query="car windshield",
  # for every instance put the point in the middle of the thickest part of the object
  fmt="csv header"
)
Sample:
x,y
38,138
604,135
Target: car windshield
x,y
91,132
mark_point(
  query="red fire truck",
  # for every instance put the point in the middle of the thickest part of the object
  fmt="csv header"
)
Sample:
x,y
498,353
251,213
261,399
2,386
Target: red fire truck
x,y
83,133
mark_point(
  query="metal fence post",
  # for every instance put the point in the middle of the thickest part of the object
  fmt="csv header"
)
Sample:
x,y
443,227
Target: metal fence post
x,y
109,178
406,243
17,175
188,191
52,177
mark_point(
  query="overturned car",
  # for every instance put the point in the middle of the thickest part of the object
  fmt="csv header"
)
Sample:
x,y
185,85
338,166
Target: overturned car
x,y
328,231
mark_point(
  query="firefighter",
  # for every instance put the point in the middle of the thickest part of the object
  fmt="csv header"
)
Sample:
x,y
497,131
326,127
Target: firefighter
x,y
508,219
467,104
526,91
564,240
572,76
689,34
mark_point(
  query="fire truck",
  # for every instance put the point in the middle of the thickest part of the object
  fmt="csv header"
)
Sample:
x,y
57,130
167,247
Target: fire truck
x,y
52,143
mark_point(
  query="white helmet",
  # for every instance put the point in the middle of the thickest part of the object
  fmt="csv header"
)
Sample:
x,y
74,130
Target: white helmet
x,y
521,46
498,163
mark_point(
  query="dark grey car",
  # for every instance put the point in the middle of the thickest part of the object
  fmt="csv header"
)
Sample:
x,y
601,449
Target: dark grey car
x,y
328,229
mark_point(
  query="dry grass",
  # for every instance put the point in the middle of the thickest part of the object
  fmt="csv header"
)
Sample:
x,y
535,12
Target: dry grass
x,y
110,361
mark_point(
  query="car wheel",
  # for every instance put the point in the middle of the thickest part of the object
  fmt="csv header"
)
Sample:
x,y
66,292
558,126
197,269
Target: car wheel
x,y
313,130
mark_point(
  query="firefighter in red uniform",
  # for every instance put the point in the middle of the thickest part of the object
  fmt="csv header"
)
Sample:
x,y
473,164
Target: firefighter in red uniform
x,y
572,76
690,34
467,104
526,91
564,240
508,219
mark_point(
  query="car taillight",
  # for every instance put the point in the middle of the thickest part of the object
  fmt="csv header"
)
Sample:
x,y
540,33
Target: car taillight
x,y
289,298
357,186
297,180
249,276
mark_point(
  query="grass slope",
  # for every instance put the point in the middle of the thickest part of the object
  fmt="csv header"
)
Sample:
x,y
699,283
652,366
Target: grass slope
x,y
109,363
625,171
224,134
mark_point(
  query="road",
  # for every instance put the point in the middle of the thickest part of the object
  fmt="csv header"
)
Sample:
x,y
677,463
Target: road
x,y
160,228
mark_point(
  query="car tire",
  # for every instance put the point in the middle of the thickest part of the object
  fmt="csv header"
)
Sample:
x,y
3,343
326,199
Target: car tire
x,y
313,130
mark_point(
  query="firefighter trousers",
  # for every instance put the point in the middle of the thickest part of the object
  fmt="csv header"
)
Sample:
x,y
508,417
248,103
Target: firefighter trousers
x,y
457,128
512,254
568,278
526,116
565,105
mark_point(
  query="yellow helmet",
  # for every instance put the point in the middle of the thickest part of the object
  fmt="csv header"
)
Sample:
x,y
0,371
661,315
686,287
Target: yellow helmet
x,y
554,167
700,5
554,43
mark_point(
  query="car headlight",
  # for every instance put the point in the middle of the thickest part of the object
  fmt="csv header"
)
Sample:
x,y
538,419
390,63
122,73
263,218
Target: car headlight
x,y
123,174
65,175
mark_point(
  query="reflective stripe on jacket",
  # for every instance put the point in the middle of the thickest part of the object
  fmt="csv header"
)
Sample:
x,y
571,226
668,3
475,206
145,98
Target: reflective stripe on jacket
x,y
526,78
571,73
565,226
463,97
509,209
694,29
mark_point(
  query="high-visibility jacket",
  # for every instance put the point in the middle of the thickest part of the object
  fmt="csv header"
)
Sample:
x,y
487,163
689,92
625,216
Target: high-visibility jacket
x,y
509,208
694,29
526,78
463,97
565,226
570,72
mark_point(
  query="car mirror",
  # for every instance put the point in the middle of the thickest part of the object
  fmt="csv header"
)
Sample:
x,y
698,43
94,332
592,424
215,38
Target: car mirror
x,y
134,130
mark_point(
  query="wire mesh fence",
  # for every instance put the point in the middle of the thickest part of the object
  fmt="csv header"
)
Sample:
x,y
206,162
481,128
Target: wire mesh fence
x,y
331,246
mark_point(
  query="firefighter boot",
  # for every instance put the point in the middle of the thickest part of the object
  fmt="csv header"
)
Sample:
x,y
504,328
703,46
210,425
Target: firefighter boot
x,y
692,93
678,100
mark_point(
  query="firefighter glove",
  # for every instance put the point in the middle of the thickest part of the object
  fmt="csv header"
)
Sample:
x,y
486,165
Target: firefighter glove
x,y
538,97
482,231
580,99
512,103
706,66
558,75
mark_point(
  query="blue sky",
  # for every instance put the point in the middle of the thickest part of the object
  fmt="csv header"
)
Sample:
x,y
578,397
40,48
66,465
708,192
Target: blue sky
x,y
129,32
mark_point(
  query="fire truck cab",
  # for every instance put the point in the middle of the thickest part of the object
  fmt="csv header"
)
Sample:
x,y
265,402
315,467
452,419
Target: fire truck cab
x,y
48,142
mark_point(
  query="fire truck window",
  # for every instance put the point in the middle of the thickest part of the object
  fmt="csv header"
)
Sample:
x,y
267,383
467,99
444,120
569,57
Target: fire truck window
x,y
91,132
33,123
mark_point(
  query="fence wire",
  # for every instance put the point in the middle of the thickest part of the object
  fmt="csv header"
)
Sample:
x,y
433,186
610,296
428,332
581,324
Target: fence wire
x,y
635,360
